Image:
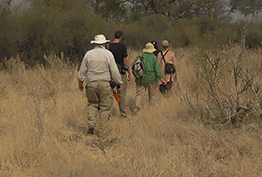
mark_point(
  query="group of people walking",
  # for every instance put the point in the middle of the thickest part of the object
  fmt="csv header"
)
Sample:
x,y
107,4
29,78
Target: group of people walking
x,y
107,63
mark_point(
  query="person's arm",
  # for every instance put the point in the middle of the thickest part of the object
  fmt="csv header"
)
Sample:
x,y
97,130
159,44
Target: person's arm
x,y
82,74
163,81
158,71
159,57
125,61
129,70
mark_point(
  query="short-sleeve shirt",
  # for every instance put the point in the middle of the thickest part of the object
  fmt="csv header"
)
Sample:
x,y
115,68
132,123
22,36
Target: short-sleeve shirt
x,y
119,51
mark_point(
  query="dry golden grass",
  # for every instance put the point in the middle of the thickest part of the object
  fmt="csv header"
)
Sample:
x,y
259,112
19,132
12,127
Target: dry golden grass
x,y
43,119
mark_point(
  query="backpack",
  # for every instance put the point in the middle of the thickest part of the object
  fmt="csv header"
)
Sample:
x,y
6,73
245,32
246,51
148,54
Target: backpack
x,y
138,68
169,68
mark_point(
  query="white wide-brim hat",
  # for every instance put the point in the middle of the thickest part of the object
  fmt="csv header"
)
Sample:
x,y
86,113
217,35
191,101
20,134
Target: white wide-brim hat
x,y
149,48
100,39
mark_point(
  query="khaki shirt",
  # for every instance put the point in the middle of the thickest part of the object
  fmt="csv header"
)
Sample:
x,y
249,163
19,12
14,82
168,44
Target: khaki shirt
x,y
99,64
170,58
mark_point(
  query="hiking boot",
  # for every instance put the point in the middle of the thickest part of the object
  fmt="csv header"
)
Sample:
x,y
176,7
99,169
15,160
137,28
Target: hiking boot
x,y
123,116
91,131
136,110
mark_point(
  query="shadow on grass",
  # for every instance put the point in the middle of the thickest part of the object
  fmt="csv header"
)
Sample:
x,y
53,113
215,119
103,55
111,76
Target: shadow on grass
x,y
74,126
131,104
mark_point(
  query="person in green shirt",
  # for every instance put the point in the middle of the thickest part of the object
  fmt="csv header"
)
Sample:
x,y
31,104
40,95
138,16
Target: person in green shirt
x,y
149,81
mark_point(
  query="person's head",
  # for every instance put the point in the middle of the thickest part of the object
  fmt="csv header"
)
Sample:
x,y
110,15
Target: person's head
x,y
119,35
100,39
165,44
149,48
155,44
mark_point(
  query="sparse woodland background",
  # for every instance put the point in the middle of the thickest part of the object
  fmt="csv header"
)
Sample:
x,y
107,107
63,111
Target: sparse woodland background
x,y
33,28
211,125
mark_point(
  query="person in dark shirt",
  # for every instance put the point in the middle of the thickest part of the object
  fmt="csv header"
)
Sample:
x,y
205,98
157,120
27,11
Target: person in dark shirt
x,y
156,47
120,54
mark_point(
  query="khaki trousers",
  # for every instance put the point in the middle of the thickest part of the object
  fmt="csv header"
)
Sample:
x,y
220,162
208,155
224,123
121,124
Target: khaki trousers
x,y
100,102
122,96
141,91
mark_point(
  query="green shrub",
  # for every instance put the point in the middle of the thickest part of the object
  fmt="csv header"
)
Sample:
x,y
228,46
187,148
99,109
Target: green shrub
x,y
254,36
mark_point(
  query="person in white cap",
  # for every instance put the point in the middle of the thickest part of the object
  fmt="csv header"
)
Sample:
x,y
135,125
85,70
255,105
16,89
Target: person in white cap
x,y
149,81
98,67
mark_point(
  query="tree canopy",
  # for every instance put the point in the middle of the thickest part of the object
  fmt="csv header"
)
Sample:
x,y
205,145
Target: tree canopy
x,y
42,27
247,7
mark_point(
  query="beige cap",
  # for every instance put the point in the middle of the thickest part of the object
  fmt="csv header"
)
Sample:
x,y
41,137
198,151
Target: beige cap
x,y
165,43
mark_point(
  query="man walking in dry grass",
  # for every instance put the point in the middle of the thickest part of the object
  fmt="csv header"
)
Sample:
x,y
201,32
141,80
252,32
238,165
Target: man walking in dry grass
x,y
120,54
98,67
149,81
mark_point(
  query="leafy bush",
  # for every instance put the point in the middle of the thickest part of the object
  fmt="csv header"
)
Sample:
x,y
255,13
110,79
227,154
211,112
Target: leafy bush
x,y
59,26
254,36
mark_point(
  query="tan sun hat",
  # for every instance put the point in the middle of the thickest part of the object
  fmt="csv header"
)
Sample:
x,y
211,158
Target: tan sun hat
x,y
165,43
149,48
100,39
